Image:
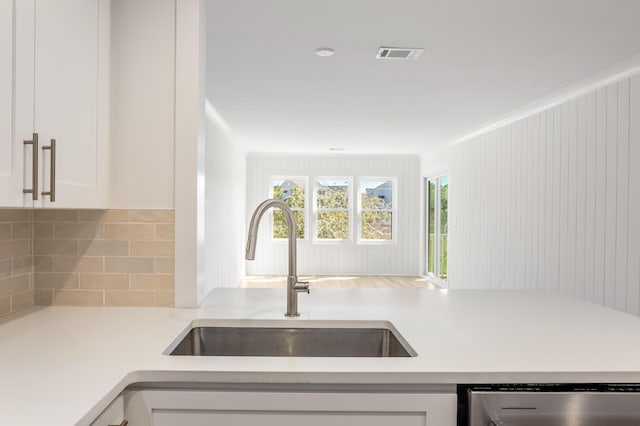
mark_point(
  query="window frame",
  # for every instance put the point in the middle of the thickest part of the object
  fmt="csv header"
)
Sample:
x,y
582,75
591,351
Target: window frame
x,y
305,209
435,275
315,210
393,210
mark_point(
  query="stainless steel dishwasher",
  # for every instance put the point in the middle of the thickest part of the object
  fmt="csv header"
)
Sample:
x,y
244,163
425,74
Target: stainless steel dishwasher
x,y
549,405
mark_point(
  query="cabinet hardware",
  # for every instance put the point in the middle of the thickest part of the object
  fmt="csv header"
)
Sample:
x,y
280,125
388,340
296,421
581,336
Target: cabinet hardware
x,y
52,172
34,167
124,423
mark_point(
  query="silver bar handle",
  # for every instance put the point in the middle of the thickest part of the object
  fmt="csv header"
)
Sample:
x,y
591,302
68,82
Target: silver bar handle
x,y
34,167
52,172
124,423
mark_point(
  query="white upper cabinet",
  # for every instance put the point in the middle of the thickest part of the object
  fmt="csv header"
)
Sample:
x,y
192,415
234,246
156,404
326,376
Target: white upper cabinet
x,y
57,83
14,173
7,171
71,100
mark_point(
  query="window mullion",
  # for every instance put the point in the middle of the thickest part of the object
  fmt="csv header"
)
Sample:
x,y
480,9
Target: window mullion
x,y
436,225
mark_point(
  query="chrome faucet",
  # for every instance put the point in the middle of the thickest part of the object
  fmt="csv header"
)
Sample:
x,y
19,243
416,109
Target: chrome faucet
x,y
293,285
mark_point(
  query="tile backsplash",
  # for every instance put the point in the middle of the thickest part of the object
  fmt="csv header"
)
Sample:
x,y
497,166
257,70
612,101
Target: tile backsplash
x,y
86,258
16,260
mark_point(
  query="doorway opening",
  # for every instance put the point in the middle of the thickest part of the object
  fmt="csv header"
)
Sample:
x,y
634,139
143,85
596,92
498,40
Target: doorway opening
x,y
437,227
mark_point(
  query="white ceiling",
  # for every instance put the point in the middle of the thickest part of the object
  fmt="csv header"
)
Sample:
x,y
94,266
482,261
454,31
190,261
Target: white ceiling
x,y
482,59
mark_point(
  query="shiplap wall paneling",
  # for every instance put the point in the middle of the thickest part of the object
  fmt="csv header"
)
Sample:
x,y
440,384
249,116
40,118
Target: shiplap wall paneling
x,y
549,198
453,222
479,217
457,196
611,194
467,243
558,171
553,201
622,199
519,275
491,153
589,126
601,197
509,166
507,201
341,258
581,197
524,231
563,277
571,122
480,223
530,237
497,226
537,184
633,289
482,269
540,169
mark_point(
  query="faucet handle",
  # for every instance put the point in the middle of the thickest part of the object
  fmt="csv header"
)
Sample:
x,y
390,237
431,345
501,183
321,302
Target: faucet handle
x,y
302,287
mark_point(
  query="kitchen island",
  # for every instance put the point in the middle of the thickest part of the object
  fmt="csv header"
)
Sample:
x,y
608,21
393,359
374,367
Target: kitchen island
x,y
63,366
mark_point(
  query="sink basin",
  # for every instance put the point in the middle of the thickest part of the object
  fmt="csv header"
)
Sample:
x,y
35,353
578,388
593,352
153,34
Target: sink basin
x,y
293,339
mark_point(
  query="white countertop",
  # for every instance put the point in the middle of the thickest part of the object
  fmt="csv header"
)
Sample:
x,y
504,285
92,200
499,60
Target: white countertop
x,y
62,366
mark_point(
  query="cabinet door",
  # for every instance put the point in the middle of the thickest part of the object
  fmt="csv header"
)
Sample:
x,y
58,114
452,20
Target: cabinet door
x,y
16,93
71,76
7,170
112,415
204,408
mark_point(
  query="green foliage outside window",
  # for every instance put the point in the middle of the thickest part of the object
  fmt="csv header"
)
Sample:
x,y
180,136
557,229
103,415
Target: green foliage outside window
x,y
438,232
333,197
376,223
332,203
333,224
444,221
432,227
292,193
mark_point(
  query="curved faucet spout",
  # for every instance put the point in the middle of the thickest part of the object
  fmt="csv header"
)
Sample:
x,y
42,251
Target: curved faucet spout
x,y
293,285
250,253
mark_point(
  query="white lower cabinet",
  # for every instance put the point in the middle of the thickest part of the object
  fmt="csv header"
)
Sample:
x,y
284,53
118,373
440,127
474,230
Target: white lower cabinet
x,y
113,415
246,408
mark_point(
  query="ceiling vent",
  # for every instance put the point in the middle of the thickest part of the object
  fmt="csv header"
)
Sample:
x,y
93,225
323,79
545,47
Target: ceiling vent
x,y
398,53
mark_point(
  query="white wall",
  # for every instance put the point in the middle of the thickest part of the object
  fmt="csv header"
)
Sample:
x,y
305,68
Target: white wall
x,y
400,258
158,86
553,201
142,103
189,155
225,212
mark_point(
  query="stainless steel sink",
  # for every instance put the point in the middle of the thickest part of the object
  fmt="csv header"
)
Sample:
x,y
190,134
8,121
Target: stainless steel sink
x,y
281,338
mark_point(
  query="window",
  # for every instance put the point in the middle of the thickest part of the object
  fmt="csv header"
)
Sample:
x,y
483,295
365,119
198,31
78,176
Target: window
x,y
364,212
332,208
431,226
376,209
292,192
437,226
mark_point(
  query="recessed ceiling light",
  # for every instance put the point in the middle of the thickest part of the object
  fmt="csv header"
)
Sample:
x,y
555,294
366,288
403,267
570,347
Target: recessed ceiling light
x,y
325,51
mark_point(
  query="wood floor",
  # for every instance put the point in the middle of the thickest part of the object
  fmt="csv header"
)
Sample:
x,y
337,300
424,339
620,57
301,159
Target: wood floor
x,y
342,281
